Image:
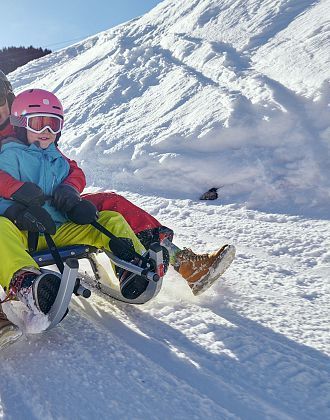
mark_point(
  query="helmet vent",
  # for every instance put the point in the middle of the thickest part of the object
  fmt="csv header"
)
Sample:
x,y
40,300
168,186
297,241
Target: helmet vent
x,y
35,101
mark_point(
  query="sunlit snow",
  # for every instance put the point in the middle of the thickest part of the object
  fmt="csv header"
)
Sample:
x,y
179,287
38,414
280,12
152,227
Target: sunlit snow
x,y
198,94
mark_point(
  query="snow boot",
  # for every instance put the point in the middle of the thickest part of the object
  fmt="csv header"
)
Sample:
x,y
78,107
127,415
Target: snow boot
x,y
202,270
35,289
148,236
131,285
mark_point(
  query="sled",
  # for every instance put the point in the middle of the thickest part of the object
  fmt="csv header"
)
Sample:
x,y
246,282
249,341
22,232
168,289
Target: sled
x,y
71,283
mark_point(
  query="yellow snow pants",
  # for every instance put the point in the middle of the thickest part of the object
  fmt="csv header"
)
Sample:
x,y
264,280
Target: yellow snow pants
x,y
14,242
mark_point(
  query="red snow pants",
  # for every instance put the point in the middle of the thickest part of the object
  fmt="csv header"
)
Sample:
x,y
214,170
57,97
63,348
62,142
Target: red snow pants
x,y
138,219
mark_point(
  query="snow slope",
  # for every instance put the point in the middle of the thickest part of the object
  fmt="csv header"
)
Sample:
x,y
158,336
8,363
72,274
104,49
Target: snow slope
x,y
201,94
192,95
255,346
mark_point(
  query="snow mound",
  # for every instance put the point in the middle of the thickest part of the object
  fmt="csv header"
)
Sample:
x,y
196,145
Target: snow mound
x,y
201,94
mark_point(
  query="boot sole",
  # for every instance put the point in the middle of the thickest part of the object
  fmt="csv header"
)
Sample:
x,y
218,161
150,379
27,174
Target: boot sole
x,y
218,268
45,290
133,287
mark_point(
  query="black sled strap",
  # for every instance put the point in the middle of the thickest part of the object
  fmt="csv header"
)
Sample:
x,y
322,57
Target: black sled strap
x,y
54,251
33,238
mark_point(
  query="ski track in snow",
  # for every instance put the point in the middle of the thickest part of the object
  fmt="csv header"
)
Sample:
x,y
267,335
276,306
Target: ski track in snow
x,y
255,346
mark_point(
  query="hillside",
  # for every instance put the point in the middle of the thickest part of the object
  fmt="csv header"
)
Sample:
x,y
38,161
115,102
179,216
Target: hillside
x,y
201,94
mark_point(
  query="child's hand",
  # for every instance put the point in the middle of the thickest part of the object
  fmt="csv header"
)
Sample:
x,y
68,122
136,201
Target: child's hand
x,y
32,218
29,194
65,198
83,213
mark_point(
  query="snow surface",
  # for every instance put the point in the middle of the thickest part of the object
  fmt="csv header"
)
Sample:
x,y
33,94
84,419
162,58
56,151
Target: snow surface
x,y
194,95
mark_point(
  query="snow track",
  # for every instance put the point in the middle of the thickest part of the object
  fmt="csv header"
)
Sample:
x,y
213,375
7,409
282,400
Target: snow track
x,y
108,360
232,353
240,366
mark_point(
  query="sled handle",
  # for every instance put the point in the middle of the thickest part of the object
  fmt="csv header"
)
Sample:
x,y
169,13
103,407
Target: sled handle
x,y
144,272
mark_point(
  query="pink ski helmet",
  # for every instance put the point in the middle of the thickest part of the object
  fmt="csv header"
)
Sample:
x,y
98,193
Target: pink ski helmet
x,y
31,102
36,101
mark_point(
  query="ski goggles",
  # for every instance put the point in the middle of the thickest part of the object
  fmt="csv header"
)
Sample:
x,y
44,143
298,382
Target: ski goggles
x,y
37,123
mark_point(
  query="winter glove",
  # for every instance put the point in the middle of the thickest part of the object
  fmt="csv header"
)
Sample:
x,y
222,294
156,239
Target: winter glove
x,y
83,213
29,194
32,218
65,198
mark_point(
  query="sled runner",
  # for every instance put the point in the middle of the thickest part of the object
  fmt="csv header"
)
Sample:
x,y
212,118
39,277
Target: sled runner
x,y
66,259
144,271
103,279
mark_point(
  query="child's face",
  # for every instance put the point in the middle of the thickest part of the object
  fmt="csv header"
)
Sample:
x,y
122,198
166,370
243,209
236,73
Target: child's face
x,y
44,138
4,113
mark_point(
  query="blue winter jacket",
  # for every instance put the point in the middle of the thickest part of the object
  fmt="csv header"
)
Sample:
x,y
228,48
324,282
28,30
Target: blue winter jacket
x,y
45,167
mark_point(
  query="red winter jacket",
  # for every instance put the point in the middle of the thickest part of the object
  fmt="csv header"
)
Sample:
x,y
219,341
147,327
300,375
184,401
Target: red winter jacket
x,y
8,131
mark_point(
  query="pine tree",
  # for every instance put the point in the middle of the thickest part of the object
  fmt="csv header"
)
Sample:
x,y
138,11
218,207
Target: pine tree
x,y
13,57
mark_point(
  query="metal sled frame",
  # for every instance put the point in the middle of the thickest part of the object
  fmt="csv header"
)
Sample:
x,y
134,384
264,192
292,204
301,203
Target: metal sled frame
x,y
73,253
63,298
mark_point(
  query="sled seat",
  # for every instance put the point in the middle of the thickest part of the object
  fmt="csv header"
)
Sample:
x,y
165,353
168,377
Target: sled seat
x,y
44,257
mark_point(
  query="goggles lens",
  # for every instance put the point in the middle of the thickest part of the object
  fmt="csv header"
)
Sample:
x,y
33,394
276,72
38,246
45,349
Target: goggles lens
x,y
38,123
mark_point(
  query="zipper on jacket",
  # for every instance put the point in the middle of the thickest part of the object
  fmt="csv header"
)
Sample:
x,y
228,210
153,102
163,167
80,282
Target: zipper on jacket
x,y
52,186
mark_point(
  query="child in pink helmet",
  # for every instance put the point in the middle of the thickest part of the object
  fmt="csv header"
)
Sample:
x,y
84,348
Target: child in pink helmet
x,y
33,159
193,267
